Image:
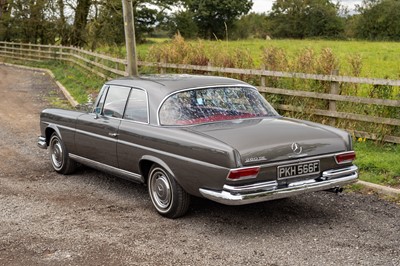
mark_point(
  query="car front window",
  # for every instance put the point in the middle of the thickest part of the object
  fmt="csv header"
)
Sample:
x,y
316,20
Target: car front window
x,y
213,104
115,102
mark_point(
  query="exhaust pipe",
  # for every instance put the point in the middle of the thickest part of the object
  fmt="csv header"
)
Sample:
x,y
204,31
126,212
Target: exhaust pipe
x,y
336,190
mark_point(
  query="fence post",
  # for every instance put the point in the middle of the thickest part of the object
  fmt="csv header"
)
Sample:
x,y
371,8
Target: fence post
x,y
116,66
334,89
162,69
39,53
262,81
61,53
12,50
30,50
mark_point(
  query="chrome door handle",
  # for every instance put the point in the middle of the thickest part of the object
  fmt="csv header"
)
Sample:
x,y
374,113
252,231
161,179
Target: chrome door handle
x,y
114,135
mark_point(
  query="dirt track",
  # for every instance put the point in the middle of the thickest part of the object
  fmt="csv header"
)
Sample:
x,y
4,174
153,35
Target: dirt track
x,y
91,218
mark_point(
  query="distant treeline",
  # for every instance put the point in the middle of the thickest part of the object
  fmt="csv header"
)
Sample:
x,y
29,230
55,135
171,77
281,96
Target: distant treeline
x,y
90,23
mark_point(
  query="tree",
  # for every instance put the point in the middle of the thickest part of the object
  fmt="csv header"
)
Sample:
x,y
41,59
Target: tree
x,y
3,7
182,22
80,22
106,24
215,17
30,21
61,23
253,25
379,20
5,11
309,18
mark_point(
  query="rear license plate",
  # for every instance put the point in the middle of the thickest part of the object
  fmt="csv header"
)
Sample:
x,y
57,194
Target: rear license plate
x,y
298,169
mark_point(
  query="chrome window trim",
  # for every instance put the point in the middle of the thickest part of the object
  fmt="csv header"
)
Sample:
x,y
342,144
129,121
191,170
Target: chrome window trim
x,y
126,103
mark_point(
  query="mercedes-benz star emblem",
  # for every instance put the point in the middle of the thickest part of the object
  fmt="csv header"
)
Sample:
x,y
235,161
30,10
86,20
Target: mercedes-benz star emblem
x,y
296,148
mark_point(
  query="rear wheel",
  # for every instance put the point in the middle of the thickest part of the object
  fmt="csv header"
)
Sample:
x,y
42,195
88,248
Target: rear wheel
x,y
59,156
168,197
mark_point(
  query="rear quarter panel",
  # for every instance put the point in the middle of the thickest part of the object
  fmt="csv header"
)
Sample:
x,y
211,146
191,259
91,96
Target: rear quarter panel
x,y
194,160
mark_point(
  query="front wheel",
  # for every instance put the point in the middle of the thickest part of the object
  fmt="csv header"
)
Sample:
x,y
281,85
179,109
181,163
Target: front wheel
x,y
59,156
167,195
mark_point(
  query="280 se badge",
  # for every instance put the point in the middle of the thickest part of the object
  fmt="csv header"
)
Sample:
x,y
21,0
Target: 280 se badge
x,y
186,135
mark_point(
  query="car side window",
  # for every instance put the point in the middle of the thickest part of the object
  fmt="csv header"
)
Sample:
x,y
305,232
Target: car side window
x,y
115,102
136,108
100,102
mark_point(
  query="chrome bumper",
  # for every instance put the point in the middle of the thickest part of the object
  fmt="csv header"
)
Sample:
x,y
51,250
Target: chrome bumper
x,y
265,191
42,143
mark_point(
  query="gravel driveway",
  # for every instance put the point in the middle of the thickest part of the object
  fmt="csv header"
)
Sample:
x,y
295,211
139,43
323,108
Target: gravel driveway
x,y
91,218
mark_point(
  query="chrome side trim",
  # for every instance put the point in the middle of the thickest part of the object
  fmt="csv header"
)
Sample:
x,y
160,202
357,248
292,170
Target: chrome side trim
x,y
107,168
241,195
42,143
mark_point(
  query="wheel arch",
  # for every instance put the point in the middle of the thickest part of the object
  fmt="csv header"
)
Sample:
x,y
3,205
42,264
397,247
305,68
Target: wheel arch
x,y
49,131
147,161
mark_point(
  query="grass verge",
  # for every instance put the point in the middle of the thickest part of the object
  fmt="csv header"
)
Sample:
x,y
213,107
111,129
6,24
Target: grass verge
x,y
79,83
358,188
378,163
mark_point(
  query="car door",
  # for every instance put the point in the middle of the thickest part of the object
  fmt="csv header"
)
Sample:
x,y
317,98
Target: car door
x,y
133,131
97,132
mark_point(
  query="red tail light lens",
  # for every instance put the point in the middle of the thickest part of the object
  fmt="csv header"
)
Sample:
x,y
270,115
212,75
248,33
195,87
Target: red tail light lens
x,y
243,173
346,157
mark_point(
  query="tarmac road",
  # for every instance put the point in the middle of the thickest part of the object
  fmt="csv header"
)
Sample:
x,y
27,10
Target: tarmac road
x,y
91,218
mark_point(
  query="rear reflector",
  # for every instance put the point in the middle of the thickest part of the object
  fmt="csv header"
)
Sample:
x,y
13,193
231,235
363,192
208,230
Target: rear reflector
x,y
346,157
243,173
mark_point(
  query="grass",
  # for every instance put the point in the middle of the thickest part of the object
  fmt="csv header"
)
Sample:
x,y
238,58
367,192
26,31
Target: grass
x,y
55,101
378,163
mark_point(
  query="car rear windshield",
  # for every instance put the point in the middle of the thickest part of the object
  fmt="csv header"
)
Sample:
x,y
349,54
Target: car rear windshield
x,y
207,105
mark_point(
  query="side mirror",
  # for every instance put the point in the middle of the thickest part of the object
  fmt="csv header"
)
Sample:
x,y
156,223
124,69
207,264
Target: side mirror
x,y
86,107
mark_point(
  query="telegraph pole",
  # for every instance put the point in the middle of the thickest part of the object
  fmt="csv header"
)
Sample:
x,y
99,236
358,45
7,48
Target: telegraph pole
x,y
130,41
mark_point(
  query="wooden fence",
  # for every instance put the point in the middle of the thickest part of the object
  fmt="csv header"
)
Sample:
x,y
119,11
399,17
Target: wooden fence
x,y
108,67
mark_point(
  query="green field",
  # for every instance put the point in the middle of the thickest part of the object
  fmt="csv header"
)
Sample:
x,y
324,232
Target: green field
x,y
379,59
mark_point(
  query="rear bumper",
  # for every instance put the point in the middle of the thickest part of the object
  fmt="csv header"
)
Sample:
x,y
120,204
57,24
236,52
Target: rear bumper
x,y
240,195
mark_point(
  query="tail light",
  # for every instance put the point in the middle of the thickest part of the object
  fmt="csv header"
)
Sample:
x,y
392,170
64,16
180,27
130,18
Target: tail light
x,y
346,157
243,173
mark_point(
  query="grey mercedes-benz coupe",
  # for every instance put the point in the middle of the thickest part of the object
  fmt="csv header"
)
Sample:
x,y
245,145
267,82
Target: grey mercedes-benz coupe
x,y
188,135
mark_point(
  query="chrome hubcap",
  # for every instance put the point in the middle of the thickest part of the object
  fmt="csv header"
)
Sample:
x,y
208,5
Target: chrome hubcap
x,y
56,153
161,190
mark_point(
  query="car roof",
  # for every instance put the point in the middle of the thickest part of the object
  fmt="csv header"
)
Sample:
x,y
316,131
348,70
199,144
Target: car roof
x,y
170,83
160,86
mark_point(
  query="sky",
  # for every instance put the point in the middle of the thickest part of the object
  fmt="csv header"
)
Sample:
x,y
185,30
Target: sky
x,y
260,6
